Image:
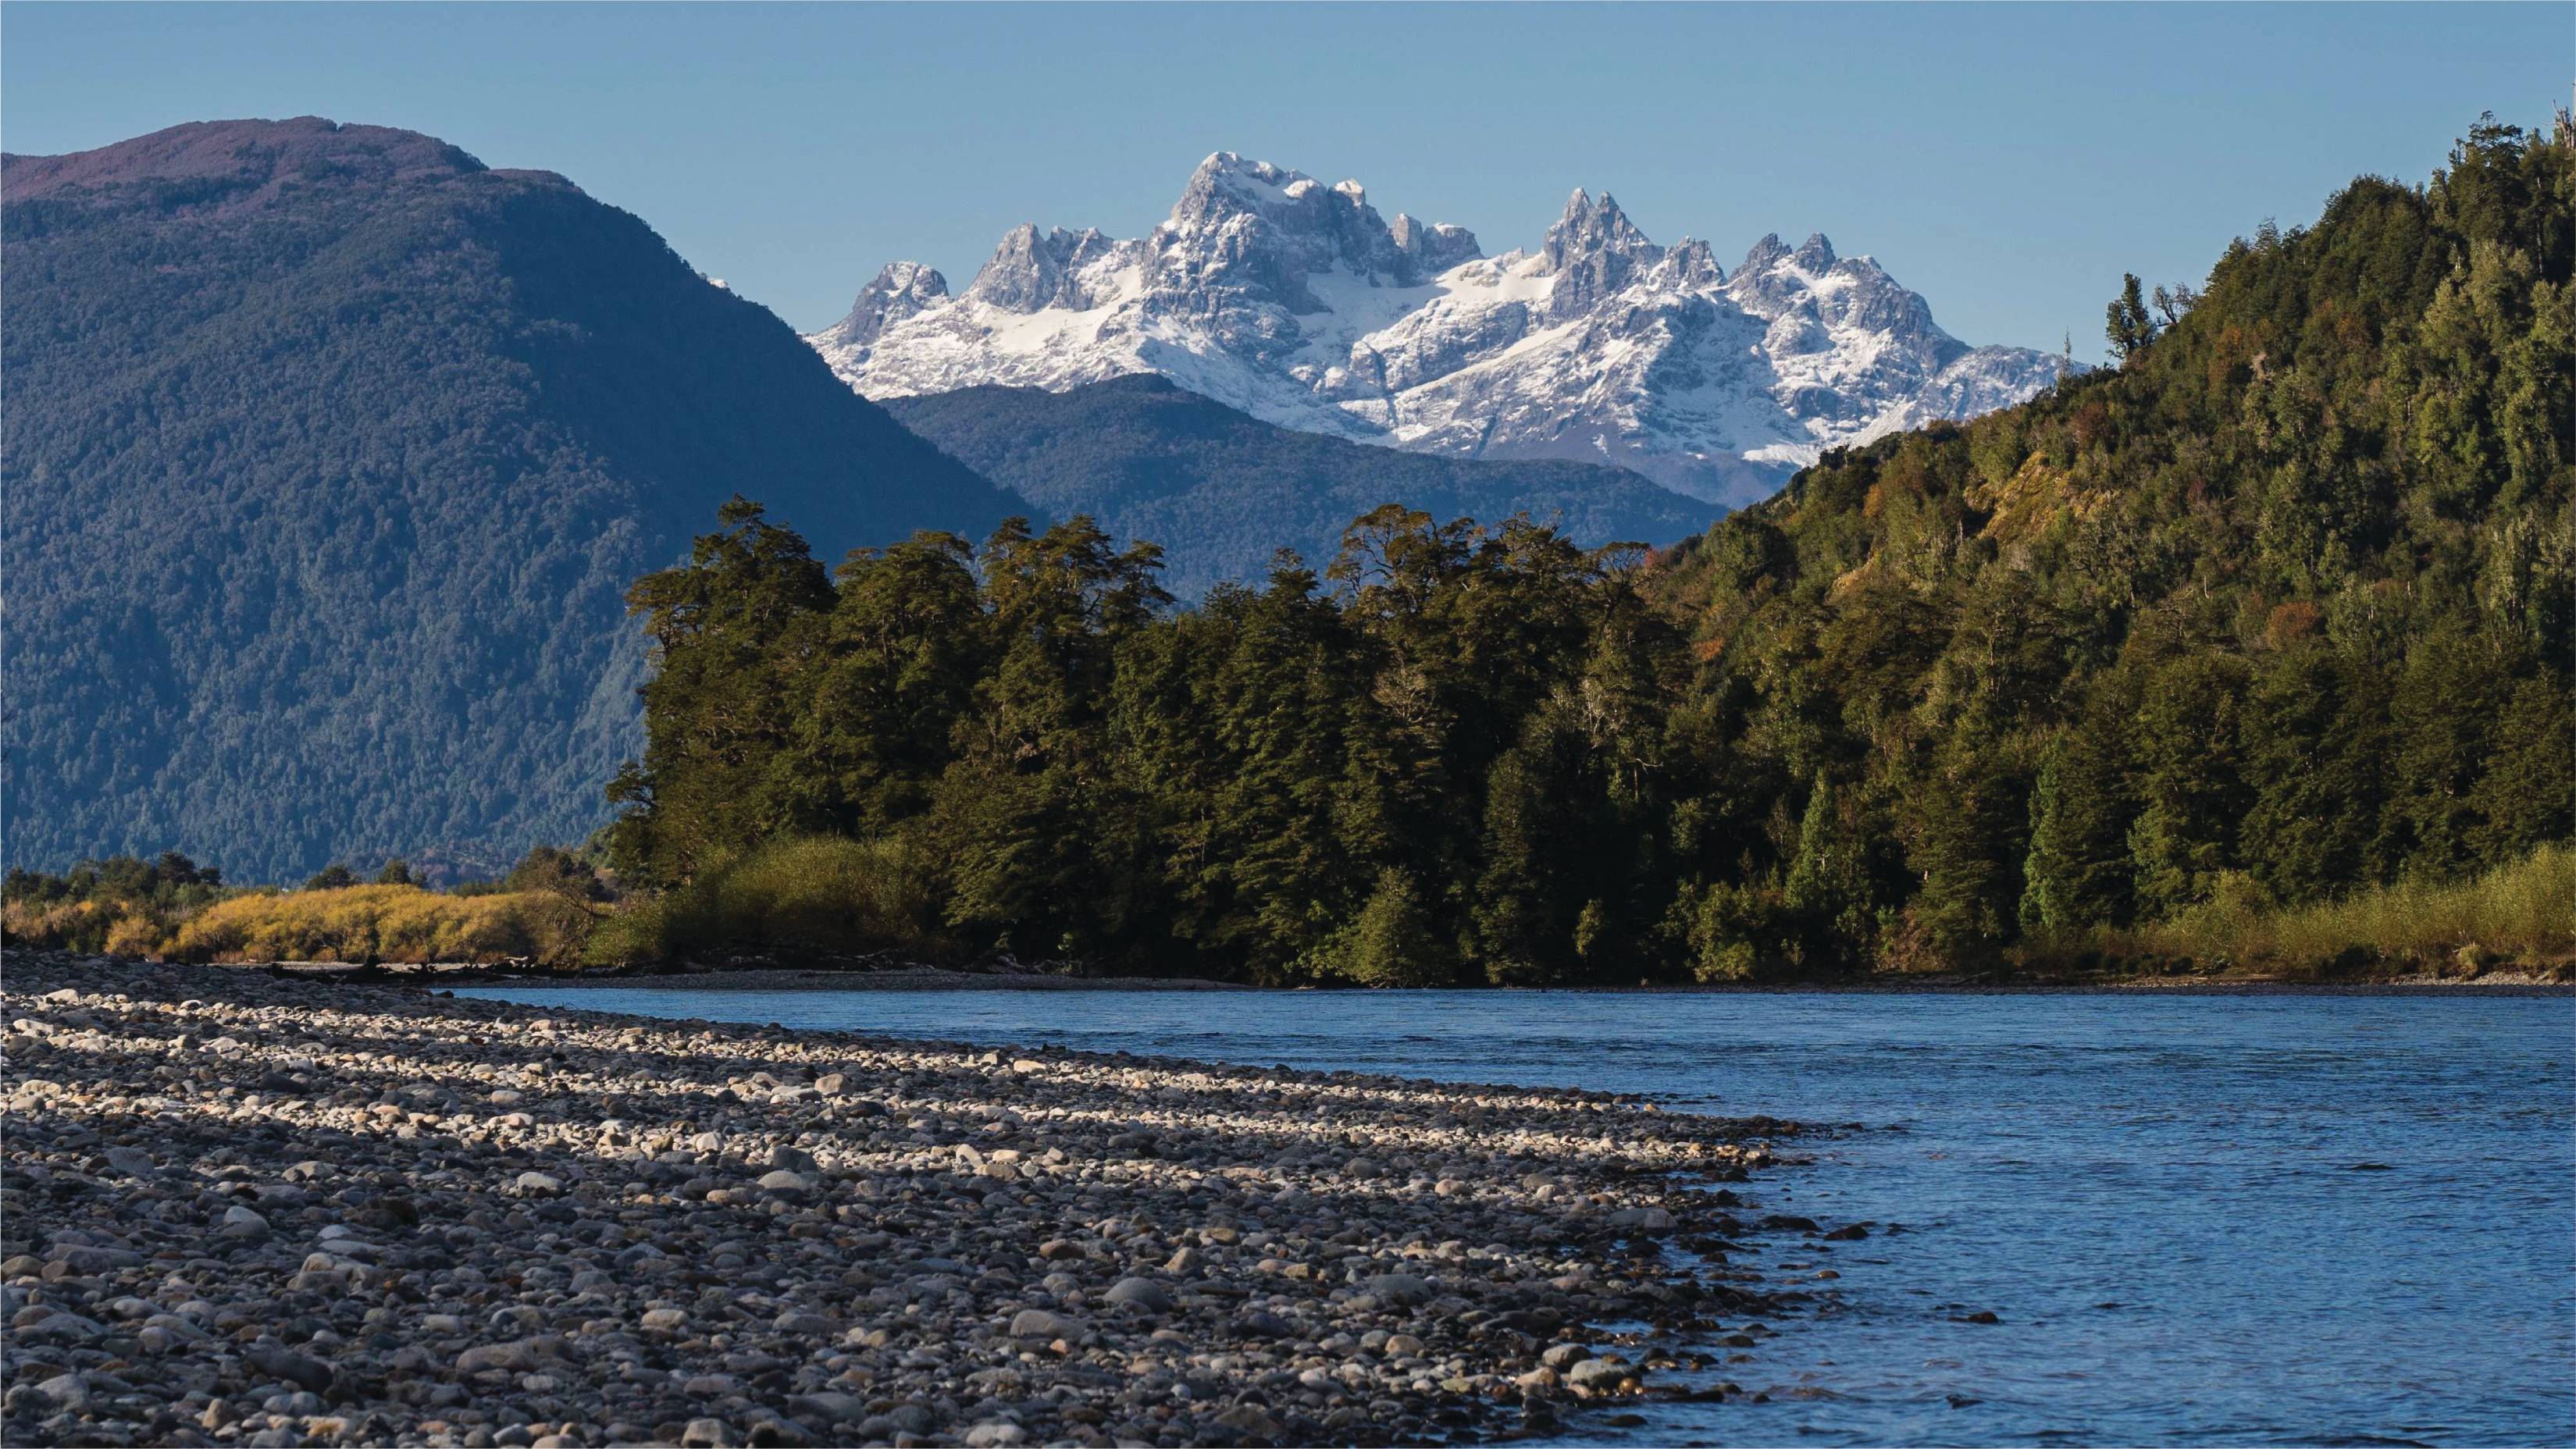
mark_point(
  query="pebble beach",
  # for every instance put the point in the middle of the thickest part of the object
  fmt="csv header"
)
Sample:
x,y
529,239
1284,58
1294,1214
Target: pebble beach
x,y
246,1208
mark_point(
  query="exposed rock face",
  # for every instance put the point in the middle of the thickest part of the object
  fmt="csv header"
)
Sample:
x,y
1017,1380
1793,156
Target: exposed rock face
x,y
1029,271
1434,248
1291,300
1594,252
901,292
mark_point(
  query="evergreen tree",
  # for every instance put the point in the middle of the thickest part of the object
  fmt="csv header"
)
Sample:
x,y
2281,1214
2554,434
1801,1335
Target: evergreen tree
x,y
1041,843
2442,716
1965,824
1392,943
1546,838
878,714
2316,761
2130,326
2526,797
728,628
2079,872
2190,781
1828,885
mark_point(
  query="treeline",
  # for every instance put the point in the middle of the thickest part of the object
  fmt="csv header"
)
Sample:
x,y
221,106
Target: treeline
x,y
2276,611
1448,762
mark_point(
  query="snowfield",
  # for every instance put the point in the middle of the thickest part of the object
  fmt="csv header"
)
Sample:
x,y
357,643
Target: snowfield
x,y
1294,302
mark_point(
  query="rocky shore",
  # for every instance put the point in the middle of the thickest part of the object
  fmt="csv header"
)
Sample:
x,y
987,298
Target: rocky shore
x,y
443,975
243,1209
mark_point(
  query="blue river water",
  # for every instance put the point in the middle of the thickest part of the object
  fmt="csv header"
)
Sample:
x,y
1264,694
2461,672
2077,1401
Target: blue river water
x,y
2260,1219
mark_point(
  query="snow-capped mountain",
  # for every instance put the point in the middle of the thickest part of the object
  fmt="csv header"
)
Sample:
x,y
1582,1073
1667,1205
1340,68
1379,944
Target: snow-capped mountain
x,y
1291,300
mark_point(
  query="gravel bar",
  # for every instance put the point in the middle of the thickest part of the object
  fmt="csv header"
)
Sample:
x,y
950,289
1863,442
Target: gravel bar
x,y
245,1209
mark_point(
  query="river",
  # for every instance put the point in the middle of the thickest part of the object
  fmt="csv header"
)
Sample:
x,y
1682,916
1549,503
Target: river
x,y
2232,1219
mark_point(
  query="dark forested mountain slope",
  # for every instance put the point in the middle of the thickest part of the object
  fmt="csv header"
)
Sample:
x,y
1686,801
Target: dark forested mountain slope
x,y
2278,609
1222,491
329,453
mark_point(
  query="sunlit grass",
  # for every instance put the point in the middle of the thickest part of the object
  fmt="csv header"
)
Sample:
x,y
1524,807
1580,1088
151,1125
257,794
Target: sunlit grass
x,y
366,923
2523,913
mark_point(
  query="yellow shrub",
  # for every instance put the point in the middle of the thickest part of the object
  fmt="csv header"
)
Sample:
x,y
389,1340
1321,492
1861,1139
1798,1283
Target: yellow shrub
x,y
70,924
2523,912
134,935
369,923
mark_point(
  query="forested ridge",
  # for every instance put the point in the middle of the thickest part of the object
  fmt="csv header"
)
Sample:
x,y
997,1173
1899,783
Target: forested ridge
x,y
1222,491
2276,611
328,455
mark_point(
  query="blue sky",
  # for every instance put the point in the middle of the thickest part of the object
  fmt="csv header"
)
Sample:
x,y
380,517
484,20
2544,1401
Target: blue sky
x,y
2008,162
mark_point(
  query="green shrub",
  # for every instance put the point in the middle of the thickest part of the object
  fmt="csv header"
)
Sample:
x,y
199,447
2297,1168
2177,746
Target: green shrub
x,y
1393,944
1734,927
812,893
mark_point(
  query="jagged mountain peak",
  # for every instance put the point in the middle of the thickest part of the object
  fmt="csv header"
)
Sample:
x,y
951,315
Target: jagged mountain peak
x,y
1589,226
1028,271
1594,250
1435,247
1293,301
911,276
1268,228
1764,254
1235,163
913,282
1691,264
900,291
1227,184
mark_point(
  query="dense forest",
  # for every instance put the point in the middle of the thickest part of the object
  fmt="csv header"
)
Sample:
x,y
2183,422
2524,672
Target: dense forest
x,y
2277,610
329,453
1222,491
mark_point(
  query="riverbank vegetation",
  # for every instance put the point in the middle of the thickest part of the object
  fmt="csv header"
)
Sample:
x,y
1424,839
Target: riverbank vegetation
x,y
367,923
2522,913
123,906
2277,610
809,895
174,909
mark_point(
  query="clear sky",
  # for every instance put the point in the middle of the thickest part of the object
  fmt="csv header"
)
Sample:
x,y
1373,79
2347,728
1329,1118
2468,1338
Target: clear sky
x,y
2008,162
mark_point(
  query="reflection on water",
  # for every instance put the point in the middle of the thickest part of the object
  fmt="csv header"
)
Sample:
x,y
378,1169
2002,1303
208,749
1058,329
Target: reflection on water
x,y
2260,1219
